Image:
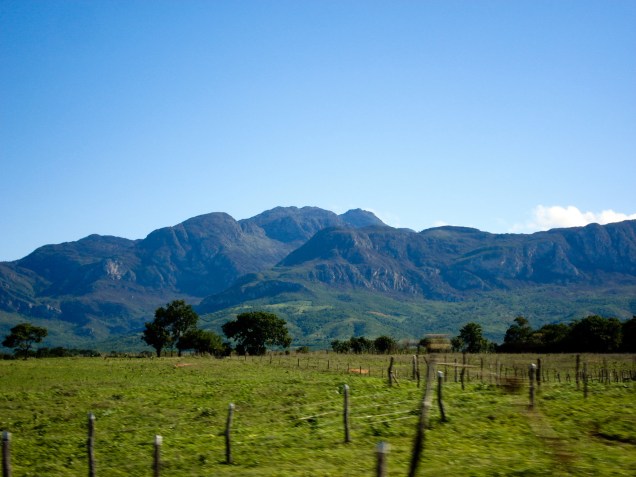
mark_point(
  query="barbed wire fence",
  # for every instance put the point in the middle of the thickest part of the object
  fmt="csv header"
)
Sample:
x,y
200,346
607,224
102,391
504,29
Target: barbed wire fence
x,y
323,419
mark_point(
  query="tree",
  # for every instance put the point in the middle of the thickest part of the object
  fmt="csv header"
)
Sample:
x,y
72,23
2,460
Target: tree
x,y
553,337
201,341
519,337
385,344
170,325
341,346
470,339
360,345
255,330
595,334
156,335
23,336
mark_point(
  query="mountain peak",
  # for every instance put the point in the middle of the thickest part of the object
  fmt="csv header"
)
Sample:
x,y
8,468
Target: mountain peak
x,y
359,218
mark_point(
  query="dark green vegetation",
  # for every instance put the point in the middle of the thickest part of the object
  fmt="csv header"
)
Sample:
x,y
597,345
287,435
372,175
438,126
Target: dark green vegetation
x,y
288,418
593,334
359,344
255,331
23,336
329,276
176,326
471,340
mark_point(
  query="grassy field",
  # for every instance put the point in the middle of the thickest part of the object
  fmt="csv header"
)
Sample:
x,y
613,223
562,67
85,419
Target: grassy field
x,y
288,418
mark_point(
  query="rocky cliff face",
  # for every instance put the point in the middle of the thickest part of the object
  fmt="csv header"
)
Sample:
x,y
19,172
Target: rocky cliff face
x,y
446,260
99,276
453,263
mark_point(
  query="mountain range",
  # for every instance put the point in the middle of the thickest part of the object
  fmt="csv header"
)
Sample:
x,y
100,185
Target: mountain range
x,y
330,276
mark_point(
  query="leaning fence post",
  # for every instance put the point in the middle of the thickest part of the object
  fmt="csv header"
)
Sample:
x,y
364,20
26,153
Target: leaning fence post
x,y
418,443
157,462
531,372
6,454
382,450
228,428
90,444
345,414
440,379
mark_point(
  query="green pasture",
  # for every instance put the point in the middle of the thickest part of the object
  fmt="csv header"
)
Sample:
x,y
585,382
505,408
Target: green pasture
x,y
288,416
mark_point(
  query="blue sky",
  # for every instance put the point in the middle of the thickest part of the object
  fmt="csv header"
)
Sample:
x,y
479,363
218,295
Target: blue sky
x,y
118,118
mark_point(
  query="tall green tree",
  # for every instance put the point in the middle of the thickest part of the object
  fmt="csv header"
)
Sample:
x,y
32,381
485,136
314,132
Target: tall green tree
x,y
256,330
170,325
156,334
23,336
470,339
595,334
385,344
518,336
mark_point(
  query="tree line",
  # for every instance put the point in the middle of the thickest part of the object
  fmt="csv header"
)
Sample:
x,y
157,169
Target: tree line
x,y
358,345
175,326
593,334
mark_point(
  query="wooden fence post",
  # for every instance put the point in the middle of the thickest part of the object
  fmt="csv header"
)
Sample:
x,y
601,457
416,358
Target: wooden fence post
x,y
391,372
418,443
455,369
157,461
228,429
417,369
465,369
531,373
440,402
578,367
345,414
382,451
90,444
538,373
414,366
585,379
497,370
6,454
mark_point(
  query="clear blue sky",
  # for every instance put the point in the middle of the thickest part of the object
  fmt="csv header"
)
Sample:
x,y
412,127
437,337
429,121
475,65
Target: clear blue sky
x,y
120,117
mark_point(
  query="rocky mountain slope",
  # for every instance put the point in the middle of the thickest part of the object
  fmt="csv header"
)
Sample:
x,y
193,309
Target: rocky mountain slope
x,y
449,263
107,286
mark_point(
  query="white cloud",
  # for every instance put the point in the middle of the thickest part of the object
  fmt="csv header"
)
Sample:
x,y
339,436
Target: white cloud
x,y
544,218
440,223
